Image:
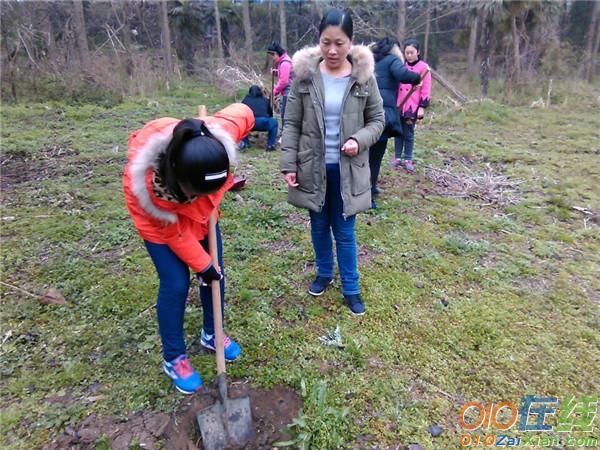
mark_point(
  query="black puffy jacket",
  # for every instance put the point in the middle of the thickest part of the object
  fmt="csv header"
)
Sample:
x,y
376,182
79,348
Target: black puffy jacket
x,y
259,105
390,72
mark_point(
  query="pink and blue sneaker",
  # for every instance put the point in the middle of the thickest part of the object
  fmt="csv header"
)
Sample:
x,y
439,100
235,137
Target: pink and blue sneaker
x,y
232,349
185,378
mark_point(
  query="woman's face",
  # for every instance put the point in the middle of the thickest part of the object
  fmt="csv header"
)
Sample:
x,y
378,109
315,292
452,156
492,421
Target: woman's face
x,y
411,54
335,46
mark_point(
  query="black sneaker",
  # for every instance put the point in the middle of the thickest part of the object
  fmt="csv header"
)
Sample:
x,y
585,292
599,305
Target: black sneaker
x,y
270,148
355,303
318,286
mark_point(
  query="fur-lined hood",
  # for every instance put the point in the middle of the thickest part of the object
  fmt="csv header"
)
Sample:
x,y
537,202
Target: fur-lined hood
x,y
148,155
305,62
395,51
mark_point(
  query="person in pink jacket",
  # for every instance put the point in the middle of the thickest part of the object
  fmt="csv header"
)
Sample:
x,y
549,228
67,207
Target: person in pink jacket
x,y
413,108
283,69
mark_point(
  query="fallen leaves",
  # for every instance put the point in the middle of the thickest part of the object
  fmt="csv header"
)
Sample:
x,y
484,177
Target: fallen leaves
x,y
53,297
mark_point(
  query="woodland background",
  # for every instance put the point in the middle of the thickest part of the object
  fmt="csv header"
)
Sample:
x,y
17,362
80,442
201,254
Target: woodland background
x,y
104,50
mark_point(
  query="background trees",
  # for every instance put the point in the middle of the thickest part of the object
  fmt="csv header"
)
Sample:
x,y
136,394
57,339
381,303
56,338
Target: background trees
x,y
134,46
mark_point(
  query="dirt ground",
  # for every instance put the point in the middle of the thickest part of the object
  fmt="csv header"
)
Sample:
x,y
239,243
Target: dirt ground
x,y
271,410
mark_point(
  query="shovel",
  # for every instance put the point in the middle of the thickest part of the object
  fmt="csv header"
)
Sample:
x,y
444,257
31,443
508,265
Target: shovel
x,y
227,423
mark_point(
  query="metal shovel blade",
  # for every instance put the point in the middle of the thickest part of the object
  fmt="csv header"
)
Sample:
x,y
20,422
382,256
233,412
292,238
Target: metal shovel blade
x,y
240,426
210,421
228,423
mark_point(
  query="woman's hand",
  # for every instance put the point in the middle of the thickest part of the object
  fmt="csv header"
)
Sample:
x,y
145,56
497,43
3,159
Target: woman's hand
x,y
350,147
290,179
420,113
211,273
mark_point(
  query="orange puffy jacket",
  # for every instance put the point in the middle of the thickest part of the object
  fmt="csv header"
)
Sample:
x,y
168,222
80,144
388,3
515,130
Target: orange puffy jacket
x,y
178,225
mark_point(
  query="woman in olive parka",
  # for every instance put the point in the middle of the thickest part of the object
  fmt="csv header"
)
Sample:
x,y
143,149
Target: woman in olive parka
x,y
333,115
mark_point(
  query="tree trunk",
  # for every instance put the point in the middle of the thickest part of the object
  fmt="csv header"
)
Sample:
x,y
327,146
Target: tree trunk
x,y
282,25
401,27
486,54
592,43
165,34
427,29
48,31
472,67
125,32
10,56
247,28
516,72
80,35
219,34
594,53
462,98
270,20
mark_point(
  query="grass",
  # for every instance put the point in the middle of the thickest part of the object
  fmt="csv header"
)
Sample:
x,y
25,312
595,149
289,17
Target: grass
x,y
464,302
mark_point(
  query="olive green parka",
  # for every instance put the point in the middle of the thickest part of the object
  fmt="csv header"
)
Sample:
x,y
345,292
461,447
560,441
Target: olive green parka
x,y
303,139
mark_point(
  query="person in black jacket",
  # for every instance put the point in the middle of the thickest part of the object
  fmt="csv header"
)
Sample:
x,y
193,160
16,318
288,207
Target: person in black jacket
x,y
389,72
263,117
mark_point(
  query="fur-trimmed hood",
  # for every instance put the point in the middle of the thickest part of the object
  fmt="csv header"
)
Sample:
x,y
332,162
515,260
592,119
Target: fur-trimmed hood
x,y
179,225
395,51
305,62
147,156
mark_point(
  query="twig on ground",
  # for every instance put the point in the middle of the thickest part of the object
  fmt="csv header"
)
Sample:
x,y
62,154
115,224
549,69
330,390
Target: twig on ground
x,y
20,290
491,187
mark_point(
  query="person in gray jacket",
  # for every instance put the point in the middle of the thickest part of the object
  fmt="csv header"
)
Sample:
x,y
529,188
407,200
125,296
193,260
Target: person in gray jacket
x,y
334,114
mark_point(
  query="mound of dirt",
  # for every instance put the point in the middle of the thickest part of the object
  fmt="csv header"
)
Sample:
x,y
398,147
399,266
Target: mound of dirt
x,y
271,410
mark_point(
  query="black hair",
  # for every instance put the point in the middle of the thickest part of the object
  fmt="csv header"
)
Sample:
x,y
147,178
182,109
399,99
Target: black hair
x,y
413,43
337,18
255,91
194,160
275,47
383,47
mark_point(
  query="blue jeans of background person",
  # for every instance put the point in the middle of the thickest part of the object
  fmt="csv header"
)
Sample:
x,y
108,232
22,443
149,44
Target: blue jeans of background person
x,y
265,124
407,140
376,153
174,283
284,102
321,226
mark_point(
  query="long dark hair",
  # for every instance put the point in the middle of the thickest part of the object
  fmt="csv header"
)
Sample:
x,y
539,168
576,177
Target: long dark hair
x,y
194,159
275,47
383,47
337,18
413,43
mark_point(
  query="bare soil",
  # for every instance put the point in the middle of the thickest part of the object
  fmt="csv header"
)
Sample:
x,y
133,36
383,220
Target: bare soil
x,y
272,410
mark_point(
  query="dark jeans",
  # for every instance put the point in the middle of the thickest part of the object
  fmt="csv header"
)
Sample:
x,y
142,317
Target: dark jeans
x,y
174,283
331,219
265,124
376,153
284,102
407,140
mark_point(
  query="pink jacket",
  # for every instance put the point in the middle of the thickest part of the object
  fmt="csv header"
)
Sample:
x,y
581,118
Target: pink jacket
x,y
420,97
284,74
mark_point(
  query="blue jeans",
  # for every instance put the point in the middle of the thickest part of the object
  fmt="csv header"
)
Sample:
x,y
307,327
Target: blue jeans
x,y
265,124
331,219
284,101
407,140
174,283
376,153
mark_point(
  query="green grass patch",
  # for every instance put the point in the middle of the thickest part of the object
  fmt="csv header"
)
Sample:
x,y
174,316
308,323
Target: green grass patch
x,y
464,302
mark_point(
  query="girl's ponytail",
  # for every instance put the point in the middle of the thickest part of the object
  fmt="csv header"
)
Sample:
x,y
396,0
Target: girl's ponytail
x,y
194,160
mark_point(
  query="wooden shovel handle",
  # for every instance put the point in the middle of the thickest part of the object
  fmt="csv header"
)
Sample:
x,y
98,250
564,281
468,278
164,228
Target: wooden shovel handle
x,y
412,89
216,294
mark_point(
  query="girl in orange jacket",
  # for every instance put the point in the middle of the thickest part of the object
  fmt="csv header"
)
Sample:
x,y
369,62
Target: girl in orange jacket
x,y
176,175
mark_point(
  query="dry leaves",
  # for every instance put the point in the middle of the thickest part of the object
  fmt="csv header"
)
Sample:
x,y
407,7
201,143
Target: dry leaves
x,y
53,297
491,187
